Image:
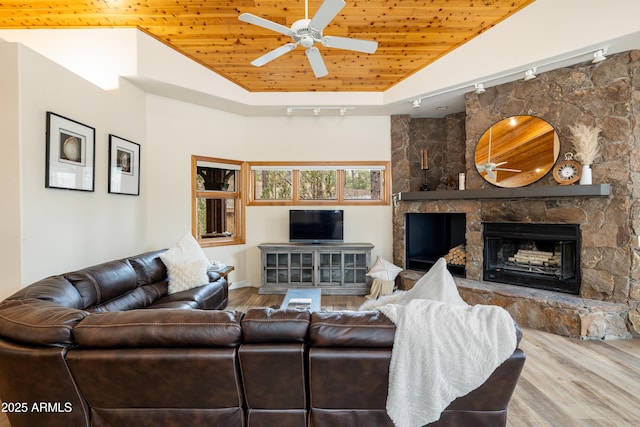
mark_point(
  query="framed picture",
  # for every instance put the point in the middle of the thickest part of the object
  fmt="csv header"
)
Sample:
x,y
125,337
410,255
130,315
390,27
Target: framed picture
x,y
70,154
124,166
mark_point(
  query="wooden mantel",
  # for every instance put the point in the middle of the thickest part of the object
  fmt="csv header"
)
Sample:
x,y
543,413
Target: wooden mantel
x,y
547,191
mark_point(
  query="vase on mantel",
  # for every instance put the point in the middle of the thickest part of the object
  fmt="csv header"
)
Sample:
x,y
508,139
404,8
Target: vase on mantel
x,y
585,178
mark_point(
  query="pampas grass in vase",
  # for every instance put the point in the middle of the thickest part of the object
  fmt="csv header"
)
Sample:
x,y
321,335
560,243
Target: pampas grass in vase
x,y
585,144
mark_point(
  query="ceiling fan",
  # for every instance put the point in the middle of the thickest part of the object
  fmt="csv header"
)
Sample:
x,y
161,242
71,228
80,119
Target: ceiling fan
x,y
307,32
491,167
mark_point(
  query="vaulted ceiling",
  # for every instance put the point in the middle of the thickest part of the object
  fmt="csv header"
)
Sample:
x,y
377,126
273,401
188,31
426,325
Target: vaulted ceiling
x,y
410,34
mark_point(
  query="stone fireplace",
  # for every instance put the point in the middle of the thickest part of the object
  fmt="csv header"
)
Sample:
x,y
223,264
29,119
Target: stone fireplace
x,y
606,94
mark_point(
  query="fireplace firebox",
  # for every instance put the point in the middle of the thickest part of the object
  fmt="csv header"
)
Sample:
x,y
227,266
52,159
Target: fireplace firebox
x,y
430,236
543,256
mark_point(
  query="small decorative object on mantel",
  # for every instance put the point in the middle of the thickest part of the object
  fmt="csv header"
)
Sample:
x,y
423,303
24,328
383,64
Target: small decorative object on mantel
x,y
585,142
424,165
568,171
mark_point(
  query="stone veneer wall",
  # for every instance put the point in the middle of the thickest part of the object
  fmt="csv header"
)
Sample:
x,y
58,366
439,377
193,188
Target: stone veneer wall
x,y
606,94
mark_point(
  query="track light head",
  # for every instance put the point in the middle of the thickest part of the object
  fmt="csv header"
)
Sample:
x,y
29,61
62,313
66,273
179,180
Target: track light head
x,y
480,88
417,103
530,74
598,56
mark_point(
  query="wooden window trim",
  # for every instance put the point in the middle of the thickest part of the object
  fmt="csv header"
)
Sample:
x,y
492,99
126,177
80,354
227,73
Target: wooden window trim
x,y
237,195
339,166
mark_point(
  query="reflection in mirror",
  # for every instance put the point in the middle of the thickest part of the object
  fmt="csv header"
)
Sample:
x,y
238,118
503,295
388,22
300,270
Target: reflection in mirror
x,y
517,151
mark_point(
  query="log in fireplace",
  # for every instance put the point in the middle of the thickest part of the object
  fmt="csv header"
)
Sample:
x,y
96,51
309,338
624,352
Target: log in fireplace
x,y
543,256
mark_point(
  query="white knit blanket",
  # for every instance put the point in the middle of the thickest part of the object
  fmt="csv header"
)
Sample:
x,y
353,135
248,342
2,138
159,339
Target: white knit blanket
x,y
442,351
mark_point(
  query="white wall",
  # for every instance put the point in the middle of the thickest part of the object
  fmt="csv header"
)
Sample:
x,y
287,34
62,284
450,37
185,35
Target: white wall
x,y
10,159
51,231
177,130
62,230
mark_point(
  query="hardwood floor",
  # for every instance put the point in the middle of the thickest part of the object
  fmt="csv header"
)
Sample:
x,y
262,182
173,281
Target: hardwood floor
x,y
565,383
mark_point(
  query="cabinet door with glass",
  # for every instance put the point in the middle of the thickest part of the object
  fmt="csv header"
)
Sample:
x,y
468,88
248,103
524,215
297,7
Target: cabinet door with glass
x,y
288,268
329,268
355,267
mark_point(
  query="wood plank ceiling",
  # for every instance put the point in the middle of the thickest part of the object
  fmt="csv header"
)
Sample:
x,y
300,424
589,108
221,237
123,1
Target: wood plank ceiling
x,y
410,34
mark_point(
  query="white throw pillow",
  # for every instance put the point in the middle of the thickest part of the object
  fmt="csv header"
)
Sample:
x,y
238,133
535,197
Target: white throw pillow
x,y
384,270
186,264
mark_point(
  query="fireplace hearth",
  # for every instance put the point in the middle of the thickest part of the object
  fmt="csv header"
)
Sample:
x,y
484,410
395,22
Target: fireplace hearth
x,y
543,256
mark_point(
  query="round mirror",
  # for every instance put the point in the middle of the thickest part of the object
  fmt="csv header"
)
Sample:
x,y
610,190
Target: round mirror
x,y
517,151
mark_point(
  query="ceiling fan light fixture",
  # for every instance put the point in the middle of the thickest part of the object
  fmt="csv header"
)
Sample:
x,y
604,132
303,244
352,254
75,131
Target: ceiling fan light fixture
x,y
306,33
480,88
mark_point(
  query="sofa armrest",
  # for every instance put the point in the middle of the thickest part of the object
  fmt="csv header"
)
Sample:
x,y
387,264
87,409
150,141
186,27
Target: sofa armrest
x,y
260,325
160,328
351,329
38,322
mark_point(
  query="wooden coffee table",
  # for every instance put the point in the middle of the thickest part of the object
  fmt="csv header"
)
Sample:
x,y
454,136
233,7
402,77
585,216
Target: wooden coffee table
x,y
308,299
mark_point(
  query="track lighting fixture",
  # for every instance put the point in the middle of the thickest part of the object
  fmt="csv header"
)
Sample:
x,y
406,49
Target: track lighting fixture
x,y
598,56
316,111
530,74
480,88
417,103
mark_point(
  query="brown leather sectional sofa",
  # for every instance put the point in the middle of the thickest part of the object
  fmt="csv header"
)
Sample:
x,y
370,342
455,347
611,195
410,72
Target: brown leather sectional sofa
x,y
106,346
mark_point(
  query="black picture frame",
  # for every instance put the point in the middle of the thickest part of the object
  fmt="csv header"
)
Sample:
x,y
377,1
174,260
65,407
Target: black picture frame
x,y
124,166
70,154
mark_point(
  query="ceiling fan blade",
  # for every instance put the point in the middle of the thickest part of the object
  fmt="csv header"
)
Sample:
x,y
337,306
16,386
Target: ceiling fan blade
x,y
365,46
265,23
507,170
316,61
276,53
325,13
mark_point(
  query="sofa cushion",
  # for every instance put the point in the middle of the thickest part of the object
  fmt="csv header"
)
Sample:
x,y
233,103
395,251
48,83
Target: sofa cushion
x,y
131,300
55,289
207,297
103,282
351,329
38,322
260,325
187,265
149,267
160,328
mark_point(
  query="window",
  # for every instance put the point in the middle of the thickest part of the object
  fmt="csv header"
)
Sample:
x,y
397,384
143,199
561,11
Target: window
x,y
327,183
217,205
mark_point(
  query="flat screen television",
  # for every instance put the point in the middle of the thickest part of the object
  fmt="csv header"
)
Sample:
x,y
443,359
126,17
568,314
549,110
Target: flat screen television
x,y
316,226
